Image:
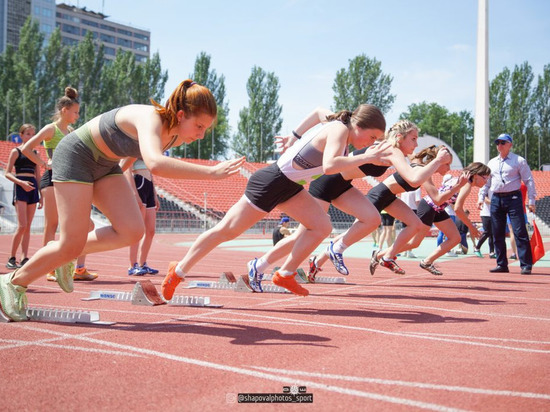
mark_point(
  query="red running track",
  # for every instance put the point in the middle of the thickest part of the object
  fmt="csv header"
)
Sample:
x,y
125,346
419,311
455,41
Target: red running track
x,y
469,340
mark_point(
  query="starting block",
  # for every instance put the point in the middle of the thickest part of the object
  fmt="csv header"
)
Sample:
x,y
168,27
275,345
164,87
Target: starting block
x,y
60,316
227,281
243,285
302,278
146,294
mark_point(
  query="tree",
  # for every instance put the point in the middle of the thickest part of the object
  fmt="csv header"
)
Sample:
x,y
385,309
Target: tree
x,y
499,105
362,82
520,115
541,114
54,76
436,120
27,68
215,140
261,120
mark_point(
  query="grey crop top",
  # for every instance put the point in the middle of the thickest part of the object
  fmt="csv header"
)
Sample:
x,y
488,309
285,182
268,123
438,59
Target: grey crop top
x,y
119,142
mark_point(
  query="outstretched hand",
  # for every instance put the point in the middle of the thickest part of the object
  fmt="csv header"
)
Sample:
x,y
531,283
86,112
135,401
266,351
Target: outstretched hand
x,y
379,154
285,142
444,155
228,168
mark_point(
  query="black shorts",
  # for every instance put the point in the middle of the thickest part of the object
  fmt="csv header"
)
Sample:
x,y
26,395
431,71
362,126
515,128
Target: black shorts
x,y
146,191
428,215
269,187
381,197
46,179
20,194
329,187
387,219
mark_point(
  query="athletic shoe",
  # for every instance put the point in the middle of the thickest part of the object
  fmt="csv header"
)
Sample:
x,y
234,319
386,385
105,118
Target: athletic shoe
x,y
410,255
373,262
451,253
83,274
478,253
50,277
23,262
313,269
289,283
136,270
13,299
337,260
430,268
492,255
170,282
392,265
255,278
148,270
64,277
513,257
12,263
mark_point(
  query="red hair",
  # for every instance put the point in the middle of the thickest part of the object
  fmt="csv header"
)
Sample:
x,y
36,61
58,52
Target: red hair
x,y
190,97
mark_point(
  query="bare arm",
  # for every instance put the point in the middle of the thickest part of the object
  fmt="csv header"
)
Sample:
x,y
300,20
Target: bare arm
x,y
416,176
318,115
45,134
461,213
149,130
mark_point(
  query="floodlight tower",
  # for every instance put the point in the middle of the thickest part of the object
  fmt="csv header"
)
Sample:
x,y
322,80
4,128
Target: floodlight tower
x,y
481,119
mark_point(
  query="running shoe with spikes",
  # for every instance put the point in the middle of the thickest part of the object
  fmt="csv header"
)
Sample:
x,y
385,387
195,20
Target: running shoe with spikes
x,y
64,276
392,265
337,260
430,268
313,269
13,300
289,283
374,262
170,282
254,277
149,270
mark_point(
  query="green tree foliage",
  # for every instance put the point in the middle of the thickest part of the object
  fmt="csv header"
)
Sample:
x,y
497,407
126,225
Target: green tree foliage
x,y
362,82
541,113
34,77
214,144
261,120
521,111
453,128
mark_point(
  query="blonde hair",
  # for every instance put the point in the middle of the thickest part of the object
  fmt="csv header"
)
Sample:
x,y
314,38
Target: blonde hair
x,y
399,130
478,168
190,97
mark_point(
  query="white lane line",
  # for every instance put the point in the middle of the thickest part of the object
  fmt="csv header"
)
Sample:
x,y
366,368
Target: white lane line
x,y
255,374
421,385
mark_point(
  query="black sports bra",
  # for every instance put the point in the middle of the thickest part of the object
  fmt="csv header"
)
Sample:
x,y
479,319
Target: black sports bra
x,y
403,183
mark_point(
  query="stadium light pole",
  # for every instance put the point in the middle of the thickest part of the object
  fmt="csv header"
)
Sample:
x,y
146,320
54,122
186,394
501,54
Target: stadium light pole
x,y
481,122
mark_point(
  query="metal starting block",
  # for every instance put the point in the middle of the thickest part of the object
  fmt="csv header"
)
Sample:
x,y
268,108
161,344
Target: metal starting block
x,y
227,281
60,316
243,285
302,278
146,294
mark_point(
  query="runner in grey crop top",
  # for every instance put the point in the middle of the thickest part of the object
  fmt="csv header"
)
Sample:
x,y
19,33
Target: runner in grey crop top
x,y
119,142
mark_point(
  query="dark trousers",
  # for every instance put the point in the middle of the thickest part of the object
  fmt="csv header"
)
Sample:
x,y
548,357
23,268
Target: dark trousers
x,y
487,233
511,205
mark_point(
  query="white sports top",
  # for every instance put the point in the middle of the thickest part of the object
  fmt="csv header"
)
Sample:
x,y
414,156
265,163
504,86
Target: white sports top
x,y
303,154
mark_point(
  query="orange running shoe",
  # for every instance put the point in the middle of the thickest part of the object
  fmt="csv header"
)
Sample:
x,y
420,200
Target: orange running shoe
x,y
170,282
289,283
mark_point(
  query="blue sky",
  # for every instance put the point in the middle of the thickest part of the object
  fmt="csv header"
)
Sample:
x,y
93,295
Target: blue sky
x,y
427,46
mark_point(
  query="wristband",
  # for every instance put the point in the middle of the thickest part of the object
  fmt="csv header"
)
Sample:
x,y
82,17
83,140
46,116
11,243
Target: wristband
x,y
296,135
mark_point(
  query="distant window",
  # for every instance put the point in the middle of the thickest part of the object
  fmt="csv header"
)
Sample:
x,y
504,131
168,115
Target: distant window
x,y
109,51
106,38
124,42
125,32
141,47
67,28
90,23
105,27
141,36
